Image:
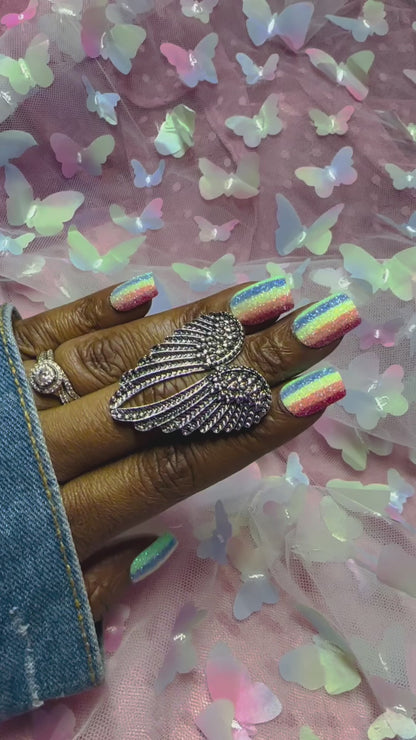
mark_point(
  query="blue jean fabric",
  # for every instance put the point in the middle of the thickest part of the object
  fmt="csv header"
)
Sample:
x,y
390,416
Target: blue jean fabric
x,y
48,643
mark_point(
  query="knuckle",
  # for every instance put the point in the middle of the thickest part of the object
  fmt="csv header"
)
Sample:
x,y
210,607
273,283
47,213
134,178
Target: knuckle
x,y
29,339
84,316
171,471
103,358
270,354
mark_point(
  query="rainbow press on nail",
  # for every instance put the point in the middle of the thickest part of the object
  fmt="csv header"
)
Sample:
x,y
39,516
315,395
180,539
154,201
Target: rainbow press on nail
x,y
313,392
153,557
134,292
261,302
326,321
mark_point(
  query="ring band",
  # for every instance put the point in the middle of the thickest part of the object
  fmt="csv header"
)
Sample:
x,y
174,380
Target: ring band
x,y
48,378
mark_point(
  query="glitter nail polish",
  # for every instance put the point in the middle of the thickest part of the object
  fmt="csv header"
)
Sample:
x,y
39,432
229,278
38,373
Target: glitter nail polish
x,y
326,321
262,301
134,292
313,392
153,557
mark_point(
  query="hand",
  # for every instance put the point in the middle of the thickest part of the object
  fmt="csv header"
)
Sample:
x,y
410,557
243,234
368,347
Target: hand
x,y
113,477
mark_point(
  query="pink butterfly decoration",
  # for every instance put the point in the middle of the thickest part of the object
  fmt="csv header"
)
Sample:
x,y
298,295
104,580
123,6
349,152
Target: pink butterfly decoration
x,y
181,656
209,232
384,334
195,65
15,19
238,703
114,626
56,722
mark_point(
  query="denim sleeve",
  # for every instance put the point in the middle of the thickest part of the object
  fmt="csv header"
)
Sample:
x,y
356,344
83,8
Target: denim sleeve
x,y
48,643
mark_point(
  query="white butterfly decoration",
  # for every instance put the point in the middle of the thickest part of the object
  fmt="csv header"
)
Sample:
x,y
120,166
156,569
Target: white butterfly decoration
x,y
198,9
32,70
14,245
265,123
291,25
351,74
181,656
47,216
63,25
201,279
257,588
13,144
150,218
119,44
255,73
125,11
291,234
391,724
209,232
401,179
407,229
371,22
395,274
85,256
354,444
336,123
401,131
144,179
294,278
103,104
324,179
176,133
243,183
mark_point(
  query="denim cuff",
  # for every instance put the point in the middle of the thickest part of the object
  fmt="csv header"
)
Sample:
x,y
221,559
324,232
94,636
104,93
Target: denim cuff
x,y
48,643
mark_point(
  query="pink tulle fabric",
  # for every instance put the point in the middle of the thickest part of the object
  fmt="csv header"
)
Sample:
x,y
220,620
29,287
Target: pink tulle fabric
x,y
372,609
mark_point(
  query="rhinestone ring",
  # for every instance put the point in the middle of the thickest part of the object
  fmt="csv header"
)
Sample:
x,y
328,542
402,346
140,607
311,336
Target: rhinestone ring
x,y
48,378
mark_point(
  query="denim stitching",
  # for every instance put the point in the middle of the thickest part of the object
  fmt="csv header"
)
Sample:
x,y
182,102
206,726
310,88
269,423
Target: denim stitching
x,y
50,501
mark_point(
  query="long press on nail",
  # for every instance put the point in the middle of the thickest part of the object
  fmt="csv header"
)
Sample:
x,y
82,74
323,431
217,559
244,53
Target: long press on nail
x,y
326,321
262,302
312,392
134,292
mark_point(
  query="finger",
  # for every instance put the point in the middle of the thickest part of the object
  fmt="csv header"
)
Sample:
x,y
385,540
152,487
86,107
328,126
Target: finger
x,y
82,435
108,308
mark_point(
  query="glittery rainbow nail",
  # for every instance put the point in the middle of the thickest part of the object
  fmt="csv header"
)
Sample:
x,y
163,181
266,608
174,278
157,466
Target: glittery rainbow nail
x,y
313,392
153,557
262,301
134,292
326,320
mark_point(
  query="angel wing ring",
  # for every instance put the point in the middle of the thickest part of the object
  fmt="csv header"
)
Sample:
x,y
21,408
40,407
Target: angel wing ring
x,y
228,399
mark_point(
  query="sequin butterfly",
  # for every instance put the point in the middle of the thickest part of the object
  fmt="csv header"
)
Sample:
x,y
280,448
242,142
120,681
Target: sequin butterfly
x,y
201,279
384,334
196,65
209,232
392,724
351,74
47,216
85,256
238,704
119,44
407,229
15,245
13,144
181,656
125,11
103,104
10,20
399,130
63,25
241,184
198,9
371,21
175,135
336,123
144,179
291,234
294,278
255,73
215,546
265,123
324,179
75,158
257,588
150,218
401,179
291,25
395,274
25,74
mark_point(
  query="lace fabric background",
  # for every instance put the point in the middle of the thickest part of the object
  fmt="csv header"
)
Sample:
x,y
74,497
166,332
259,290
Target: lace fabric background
x,y
375,620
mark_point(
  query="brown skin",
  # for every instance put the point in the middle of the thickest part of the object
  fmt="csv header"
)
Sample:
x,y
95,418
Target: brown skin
x,y
112,477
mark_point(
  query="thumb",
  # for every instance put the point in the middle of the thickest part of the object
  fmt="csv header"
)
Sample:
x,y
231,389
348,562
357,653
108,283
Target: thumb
x,y
108,573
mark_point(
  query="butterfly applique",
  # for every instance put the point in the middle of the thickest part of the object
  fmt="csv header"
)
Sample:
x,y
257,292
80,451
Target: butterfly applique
x,y
354,444
126,11
198,9
200,279
144,179
401,179
181,656
85,256
150,218
176,134
209,232
119,44
103,104
215,546
325,179
407,229
75,158
255,73
291,234
294,278
63,25
13,144
265,123
196,65
291,25
257,588
399,130
392,724
15,19
371,21
410,74
47,216
351,74
9,101
31,71
384,334
395,274
241,184
15,245
238,704
336,123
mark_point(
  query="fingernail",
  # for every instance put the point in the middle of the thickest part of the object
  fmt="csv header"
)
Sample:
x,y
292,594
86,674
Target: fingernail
x,y
153,557
313,392
326,321
134,292
262,301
